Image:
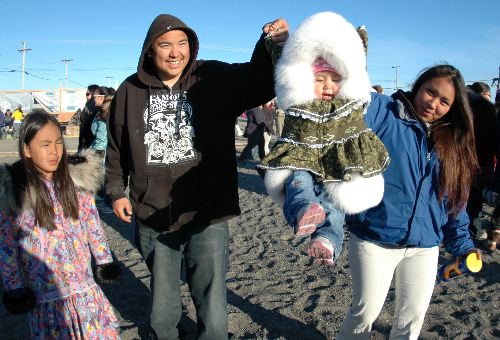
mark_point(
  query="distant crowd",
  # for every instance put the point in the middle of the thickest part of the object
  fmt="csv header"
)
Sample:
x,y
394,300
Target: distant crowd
x,y
10,122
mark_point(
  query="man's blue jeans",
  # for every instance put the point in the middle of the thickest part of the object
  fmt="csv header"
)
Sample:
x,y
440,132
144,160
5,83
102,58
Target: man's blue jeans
x,y
301,190
205,250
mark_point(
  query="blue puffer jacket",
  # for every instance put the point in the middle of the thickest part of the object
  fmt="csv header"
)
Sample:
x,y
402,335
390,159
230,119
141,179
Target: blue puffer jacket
x,y
410,213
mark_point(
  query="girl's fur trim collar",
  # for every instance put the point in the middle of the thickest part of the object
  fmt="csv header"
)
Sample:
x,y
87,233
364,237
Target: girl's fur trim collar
x,y
85,168
330,36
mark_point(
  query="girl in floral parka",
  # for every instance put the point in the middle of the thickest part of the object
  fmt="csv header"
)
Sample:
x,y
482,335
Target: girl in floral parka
x,y
49,229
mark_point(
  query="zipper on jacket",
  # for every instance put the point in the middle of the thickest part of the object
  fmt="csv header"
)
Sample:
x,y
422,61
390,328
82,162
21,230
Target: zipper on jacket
x,y
425,174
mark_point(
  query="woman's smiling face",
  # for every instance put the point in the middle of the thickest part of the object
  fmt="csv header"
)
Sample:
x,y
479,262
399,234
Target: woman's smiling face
x,y
434,99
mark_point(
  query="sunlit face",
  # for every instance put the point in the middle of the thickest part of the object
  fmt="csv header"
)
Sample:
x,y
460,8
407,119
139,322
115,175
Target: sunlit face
x,y
46,149
170,54
99,99
326,84
434,99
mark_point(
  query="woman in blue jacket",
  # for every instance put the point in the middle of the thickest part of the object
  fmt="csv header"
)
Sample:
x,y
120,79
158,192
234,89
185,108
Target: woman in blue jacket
x,y
428,133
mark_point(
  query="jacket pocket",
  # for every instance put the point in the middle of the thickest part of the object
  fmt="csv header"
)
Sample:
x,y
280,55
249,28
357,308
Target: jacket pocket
x,y
153,206
184,197
169,201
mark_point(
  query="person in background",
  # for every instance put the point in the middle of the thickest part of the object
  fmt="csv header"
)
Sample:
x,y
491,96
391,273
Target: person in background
x,y
237,128
102,99
378,88
267,110
111,90
279,116
482,89
497,102
17,118
2,124
87,116
171,142
430,138
254,132
8,119
484,118
491,194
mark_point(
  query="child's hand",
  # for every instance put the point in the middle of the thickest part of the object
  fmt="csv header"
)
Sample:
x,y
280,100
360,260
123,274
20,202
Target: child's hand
x,y
123,209
108,272
476,251
277,30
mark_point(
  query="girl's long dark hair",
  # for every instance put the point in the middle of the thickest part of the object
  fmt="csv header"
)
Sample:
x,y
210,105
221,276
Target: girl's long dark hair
x,y
64,187
453,137
103,111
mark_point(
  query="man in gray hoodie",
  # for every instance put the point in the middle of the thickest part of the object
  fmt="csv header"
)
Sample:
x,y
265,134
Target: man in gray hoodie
x,y
171,141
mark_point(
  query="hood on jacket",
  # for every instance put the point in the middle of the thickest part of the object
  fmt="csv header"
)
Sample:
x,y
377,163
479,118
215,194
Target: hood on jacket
x,y
146,70
330,36
85,169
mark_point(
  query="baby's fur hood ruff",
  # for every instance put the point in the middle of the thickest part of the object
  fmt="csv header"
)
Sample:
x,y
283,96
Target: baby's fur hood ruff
x,y
326,35
86,170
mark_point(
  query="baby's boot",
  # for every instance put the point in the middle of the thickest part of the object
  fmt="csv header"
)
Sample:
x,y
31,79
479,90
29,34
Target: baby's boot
x,y
321,249
309,218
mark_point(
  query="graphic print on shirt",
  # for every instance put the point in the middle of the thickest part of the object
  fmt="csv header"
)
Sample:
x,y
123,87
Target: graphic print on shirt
x,y
168,132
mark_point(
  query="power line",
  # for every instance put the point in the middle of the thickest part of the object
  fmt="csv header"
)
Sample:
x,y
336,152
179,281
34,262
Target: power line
x,y
77,83
35,76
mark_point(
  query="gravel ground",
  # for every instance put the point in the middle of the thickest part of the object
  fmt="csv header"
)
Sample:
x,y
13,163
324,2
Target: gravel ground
x,y
274,292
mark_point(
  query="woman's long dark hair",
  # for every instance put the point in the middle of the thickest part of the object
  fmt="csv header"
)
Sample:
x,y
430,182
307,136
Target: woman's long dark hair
x,y
64,187
453,137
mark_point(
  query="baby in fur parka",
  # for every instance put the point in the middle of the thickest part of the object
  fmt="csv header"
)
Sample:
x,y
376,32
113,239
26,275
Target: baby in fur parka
x,y
327,162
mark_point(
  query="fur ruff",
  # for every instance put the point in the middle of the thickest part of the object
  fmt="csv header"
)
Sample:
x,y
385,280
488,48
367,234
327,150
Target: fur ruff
x,y
274,181
357,195
86,170
326,35
88,174
350,197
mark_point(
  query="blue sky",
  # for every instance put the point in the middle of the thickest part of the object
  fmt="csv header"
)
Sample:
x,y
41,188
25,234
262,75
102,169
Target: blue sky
x,y
104,38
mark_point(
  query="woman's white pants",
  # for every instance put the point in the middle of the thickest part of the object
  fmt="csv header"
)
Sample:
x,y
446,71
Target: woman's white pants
x,y
372,268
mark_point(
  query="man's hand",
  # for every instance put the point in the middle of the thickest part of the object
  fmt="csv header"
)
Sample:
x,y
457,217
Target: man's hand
x,y
123,209
277,30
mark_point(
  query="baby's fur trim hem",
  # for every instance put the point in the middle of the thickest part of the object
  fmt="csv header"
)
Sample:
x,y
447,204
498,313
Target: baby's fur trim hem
x,y
356,195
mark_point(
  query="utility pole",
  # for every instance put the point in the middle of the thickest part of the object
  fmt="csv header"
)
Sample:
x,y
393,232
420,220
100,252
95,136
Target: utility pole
x,y
109,80
23,52
396,67
66,61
